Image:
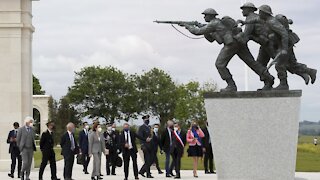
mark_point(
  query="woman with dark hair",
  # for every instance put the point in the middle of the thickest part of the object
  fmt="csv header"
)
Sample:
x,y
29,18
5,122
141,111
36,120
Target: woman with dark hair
x,y
96,148
195,150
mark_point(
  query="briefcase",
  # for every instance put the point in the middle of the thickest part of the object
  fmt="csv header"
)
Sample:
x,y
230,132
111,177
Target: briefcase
x,y
119,162
80,159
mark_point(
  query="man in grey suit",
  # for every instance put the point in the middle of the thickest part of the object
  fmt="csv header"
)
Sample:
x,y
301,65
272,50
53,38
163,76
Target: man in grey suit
x,y
25,142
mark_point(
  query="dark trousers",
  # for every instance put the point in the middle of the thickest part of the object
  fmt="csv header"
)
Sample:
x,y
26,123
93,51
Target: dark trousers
x,y
111,162
148,160
51,157
228,51
126,160
15,155
176,161
68,166
156,161
167,163
208,158
85,160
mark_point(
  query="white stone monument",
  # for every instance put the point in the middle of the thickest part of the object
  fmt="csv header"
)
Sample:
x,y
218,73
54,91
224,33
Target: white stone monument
x,y
254,134
15,67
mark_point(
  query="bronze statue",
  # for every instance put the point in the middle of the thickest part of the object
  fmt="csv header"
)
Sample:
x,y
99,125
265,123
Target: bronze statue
x,y
273,34
277,41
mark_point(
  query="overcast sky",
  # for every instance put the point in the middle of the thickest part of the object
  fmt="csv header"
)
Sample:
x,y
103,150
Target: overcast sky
x,y
71,34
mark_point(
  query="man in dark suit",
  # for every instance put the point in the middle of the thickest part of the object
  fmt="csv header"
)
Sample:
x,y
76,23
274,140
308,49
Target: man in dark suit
x,y
48,154
14,150
166,144
84,146
146,147
127,141
69,148
179,141
208,155
111,139
156,141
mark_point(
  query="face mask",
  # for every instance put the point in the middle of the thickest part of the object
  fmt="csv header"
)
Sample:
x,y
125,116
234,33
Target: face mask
x,y
99,129
171,127
155,130
86,127
175,129
113,129
126,129
31,125
147,122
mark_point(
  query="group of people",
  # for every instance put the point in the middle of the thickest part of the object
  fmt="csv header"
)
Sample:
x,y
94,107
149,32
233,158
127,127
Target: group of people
x,y
93,142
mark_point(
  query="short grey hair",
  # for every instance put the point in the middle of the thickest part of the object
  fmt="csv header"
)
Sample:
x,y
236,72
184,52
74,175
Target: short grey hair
x,y
28,119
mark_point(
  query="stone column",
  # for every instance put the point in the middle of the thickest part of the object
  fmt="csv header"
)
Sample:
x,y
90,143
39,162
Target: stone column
x,y
15,68
254,134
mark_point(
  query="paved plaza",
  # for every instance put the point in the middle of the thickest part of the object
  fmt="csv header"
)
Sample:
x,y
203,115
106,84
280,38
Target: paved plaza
x,y
185,174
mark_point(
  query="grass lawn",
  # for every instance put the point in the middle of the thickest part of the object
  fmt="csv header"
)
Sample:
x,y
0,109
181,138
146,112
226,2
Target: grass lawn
x,y
308,157
186,162
38,156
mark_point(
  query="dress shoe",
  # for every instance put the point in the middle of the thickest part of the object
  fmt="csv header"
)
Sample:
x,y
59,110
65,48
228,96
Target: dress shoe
x,y
101,174
142,174
160,172
149,176
99,178
11,175
114,174
168,175
136,178
206,172
172,174
125,178
212,172
86,172
93,178
177,177
55,179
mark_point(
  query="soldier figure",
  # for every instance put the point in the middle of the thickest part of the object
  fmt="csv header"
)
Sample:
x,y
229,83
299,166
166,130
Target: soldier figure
x,y
223,31
264,35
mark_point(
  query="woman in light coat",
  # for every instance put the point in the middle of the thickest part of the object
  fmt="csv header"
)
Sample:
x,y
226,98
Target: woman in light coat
x,y
195,150
96,148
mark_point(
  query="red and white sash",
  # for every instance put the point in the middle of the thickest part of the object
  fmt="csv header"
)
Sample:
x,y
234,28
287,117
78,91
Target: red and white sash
x,y
178,138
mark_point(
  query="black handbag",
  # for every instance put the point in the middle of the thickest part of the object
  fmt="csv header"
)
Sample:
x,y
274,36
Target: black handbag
x,y
80,159
119,162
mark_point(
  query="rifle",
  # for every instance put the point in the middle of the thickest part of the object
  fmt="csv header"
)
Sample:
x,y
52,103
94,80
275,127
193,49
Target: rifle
x,y
181,23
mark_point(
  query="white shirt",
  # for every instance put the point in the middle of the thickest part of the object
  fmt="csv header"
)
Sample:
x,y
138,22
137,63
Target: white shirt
x,y
169,131
128,138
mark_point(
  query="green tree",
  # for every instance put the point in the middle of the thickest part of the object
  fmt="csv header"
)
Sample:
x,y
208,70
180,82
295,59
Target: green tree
x,y
104,92
37,89
157,94
190,102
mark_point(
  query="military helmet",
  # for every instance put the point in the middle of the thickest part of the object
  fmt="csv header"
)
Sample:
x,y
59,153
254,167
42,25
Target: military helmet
x,y
266,9
248,5
210,11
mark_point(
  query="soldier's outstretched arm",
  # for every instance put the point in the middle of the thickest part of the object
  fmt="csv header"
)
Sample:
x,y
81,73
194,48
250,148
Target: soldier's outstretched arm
x,y
209,28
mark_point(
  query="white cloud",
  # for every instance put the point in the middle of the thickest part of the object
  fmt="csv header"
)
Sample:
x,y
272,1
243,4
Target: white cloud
x,y
76,33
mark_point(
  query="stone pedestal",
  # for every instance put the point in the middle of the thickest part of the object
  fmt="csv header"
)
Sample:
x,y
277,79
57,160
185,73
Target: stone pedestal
x,y
254,134
15,69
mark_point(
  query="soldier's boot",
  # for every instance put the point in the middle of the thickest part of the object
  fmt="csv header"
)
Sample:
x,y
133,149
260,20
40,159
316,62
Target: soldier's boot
x,y
305,77
313,74
283,85
268,82
232,87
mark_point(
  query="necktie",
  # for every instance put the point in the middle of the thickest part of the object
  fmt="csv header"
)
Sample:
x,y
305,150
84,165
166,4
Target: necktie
x,y
72,142
28,129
